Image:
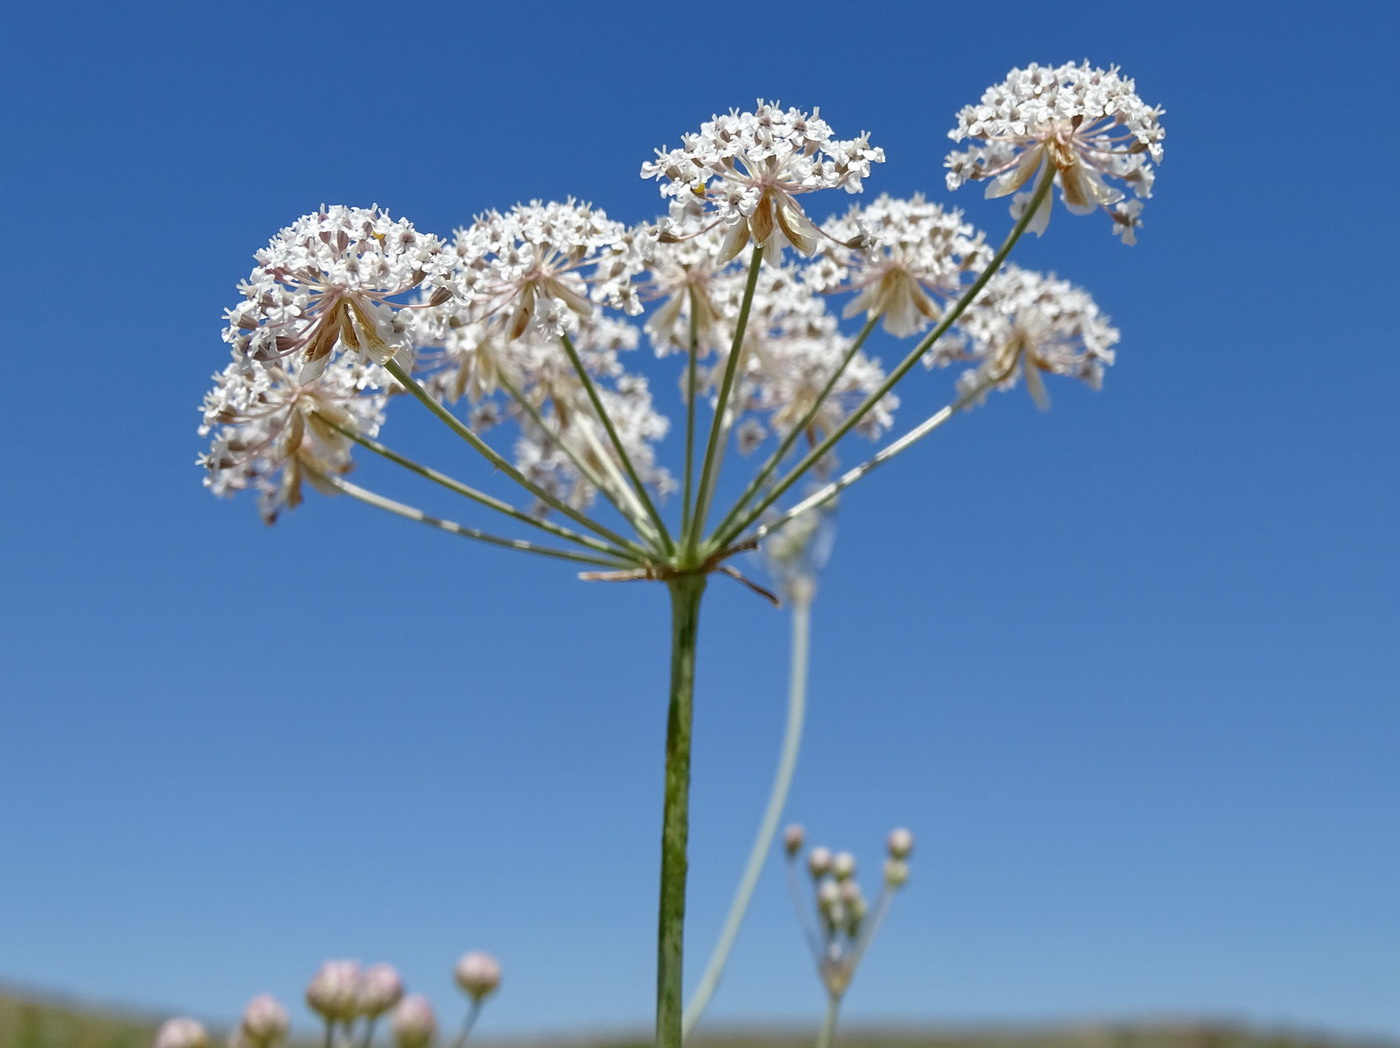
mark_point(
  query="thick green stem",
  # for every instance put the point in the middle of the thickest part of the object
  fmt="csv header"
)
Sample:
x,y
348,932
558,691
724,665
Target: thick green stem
x,y
772,814
686,591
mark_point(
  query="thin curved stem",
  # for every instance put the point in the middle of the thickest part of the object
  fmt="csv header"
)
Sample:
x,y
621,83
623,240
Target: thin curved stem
x,y
592,391
556,438
1042,189
412,513
780,452
889,451
491,455
456,486
718,430
472,1012
768,826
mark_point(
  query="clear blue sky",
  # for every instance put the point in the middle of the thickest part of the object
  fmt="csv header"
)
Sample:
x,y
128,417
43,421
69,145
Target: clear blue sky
x,y
1128,669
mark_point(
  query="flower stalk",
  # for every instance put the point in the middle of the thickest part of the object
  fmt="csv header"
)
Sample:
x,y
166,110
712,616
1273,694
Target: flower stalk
x,y
686,593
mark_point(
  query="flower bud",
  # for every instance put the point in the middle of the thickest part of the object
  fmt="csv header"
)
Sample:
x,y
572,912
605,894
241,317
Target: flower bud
x,y
333,991
478,974
793,837
265,1021
819,861
181,1033
896,873
843,867
901,843
828,896
414,1025
379,989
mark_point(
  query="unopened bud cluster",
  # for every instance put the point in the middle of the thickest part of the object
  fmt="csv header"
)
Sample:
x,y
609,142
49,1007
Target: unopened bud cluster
x,y
846,922
351,1000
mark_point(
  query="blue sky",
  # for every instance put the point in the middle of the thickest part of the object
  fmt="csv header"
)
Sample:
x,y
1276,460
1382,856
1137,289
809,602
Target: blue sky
x,y
1128,668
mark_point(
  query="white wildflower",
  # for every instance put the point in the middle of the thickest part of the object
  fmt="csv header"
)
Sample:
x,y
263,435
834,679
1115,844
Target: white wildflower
x,y
1028,323
326,281
272,428
900,257
750,167
1086,123
541,266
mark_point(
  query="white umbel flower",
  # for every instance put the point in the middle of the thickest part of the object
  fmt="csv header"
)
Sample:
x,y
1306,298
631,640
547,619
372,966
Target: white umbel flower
x,y
1032,324
749,168
271,433
1085,123
327,281
901,257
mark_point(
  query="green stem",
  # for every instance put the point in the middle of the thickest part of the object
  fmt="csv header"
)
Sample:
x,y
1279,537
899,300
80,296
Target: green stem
x,y
768,827
710,466
557,439
722,539
833,1007
412,513
687,505
456,486
686,592
473,1010
592,391
779,453
491,455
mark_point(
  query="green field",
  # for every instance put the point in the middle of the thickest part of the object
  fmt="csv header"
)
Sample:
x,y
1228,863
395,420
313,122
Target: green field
x,y
28,1021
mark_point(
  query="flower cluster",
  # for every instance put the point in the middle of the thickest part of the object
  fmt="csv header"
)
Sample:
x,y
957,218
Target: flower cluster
x,y
526,316
1087,124
1031,324
903,258
846,923
351,1000
744,170
274,428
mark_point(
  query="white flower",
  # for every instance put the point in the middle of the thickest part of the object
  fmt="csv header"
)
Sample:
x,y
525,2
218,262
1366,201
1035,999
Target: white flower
x,y
749,167
271,427
792,347
901,257
181,1033
524,269
478,974
1086,123
325,282
1032,323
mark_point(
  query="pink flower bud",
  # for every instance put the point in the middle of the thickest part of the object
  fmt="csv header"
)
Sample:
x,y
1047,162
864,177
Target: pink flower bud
x,y
264,1021
478,974
793,837
843,867
414,1025
181,1033
380,988
901,843
819,861
333,991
